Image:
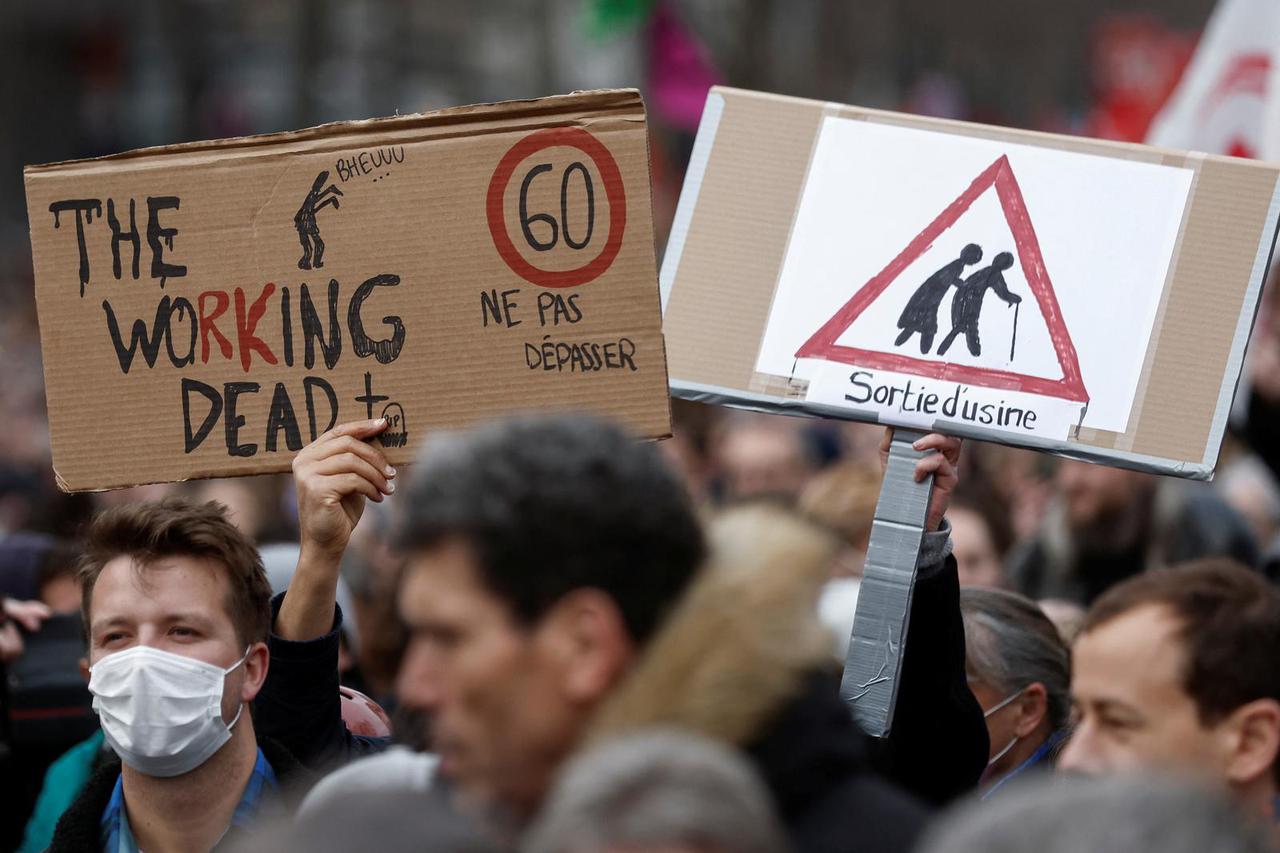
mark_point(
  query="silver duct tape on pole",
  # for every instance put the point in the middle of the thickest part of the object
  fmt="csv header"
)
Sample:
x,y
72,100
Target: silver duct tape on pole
x,y
874,660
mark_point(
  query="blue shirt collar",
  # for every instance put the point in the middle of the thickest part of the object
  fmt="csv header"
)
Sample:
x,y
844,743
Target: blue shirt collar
x,y
117,837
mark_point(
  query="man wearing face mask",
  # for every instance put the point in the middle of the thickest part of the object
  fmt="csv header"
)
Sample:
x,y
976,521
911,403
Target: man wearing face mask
x,y
177,608
1020,671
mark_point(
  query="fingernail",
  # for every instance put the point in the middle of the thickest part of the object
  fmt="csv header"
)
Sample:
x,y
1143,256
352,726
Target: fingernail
x,y
391,488
390,472
380,422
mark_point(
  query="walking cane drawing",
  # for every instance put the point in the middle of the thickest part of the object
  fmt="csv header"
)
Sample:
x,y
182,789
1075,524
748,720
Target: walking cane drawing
x,y
1013,343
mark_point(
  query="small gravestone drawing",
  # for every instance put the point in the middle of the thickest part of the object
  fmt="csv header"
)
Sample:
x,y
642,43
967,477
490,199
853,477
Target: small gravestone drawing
x,y
397,432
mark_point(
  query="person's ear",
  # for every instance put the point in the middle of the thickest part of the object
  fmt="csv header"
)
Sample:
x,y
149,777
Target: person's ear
x,y
255,671
84,668
586,636
1033,705
1253,740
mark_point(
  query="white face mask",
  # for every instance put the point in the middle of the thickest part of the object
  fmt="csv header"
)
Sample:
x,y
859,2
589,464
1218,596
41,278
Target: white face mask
x,y
996,707
161,712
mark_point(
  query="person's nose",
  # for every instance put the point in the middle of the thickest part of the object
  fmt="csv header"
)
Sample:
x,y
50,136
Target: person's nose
x,y
418,683
150,635
1080,755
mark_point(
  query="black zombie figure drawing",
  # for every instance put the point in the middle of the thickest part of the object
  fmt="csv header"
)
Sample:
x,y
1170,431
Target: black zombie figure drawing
x,y
304,220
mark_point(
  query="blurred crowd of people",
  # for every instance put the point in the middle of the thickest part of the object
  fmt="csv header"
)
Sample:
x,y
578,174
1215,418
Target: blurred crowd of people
x,y
546,635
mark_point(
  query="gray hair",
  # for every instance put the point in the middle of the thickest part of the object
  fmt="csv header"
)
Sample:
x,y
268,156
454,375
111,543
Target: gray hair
x,y
1120,814
1010,644
388,821
658,788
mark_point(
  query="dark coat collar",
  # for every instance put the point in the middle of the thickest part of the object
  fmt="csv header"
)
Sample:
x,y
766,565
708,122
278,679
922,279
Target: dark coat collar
x,y
79,828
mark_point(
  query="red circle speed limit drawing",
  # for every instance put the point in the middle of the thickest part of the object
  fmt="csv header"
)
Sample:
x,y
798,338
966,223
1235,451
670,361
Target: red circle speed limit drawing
x,y
570,137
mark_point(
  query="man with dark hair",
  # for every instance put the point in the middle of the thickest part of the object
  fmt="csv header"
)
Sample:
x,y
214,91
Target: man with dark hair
x,y
572,493
535,533
545,557
176,607
1177,669
564,515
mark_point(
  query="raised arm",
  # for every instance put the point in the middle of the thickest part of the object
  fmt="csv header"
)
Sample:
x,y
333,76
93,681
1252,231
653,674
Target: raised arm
x,y
299,704
937,746
334,475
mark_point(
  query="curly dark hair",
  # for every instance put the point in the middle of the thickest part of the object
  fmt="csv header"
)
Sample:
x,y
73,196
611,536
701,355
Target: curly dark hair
x,y
553,503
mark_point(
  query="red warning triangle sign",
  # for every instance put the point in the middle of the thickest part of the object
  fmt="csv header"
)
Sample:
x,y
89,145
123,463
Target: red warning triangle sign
x,y
822,345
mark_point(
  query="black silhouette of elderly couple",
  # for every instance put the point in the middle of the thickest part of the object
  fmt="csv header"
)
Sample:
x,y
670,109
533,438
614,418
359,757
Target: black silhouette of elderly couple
x,y
921,313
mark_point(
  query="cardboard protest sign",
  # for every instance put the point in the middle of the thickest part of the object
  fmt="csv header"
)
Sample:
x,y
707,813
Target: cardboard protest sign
x,y
1084,297
206,309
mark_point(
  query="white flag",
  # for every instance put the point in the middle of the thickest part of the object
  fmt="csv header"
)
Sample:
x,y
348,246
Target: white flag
x,y
1225,102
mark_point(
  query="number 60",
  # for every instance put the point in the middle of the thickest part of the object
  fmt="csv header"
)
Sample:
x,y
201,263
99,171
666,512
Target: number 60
x,y
561,227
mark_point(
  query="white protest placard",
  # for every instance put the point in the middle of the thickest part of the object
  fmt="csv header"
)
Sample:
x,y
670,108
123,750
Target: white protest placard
x,y
991,283
1077,296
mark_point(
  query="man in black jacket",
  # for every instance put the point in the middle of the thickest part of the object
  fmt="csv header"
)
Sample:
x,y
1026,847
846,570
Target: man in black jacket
x,y
545,556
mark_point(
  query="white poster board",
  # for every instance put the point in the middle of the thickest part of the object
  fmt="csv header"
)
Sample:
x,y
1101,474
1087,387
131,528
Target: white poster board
x,y
1013,288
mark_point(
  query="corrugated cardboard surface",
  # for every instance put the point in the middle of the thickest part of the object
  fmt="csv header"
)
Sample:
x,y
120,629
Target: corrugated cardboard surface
x,y
413,205
725,277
